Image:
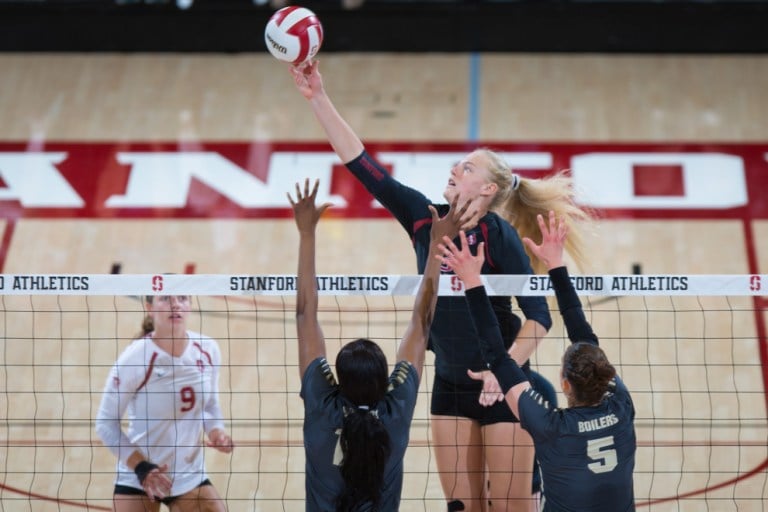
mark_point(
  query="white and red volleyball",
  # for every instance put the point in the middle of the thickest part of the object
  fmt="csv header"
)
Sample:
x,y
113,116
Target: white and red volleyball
x,y
293,34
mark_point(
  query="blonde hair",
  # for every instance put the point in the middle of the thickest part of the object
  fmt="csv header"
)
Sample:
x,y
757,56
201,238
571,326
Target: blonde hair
x,y
532,197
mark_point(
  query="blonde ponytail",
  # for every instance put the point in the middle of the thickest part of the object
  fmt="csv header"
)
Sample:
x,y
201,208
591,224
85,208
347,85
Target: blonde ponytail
x,y
519,200
538,197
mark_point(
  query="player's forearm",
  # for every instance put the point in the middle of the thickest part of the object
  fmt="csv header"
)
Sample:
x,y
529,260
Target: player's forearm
x,y
414,343
486,324
570,307
109,428
524,346
134,458
344,140
306,298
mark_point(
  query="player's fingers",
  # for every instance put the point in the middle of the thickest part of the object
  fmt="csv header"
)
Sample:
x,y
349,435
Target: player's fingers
x,y
323,207
542,226
454,203
314,188
433,212
449,243
463,238
553,228
465,207
489,399
469,219
475,375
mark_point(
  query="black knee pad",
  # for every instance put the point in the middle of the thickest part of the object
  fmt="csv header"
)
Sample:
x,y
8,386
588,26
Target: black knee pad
x,y
455,506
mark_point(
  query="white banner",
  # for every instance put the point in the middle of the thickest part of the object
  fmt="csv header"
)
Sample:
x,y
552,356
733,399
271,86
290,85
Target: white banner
x,y
376,285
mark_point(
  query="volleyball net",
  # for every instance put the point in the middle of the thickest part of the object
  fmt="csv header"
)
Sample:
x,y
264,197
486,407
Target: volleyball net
x,y
691,348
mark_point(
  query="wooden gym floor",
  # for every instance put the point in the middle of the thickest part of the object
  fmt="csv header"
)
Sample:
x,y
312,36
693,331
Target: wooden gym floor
x,y
435,98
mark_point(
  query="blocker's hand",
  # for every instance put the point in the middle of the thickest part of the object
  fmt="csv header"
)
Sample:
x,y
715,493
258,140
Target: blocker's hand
x,y
491,392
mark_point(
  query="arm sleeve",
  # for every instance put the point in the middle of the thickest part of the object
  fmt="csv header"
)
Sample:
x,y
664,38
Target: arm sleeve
x,y
118,392
406,204
570,307
213,417
510,257
507,372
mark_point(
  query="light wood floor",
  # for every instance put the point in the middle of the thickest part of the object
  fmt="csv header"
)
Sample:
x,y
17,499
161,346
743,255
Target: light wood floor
x,y
54,364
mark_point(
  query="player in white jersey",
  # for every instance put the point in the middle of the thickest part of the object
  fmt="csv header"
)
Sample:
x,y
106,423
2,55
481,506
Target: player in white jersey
x,y
165,384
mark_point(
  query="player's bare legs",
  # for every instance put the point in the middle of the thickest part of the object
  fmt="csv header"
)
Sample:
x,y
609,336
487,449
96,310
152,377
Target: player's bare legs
x,y
458,448
203,499
509,454
134,503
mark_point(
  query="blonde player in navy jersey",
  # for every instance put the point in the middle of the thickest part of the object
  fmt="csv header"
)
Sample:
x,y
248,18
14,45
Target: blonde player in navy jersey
x,y
587,450
356,429
475,437
165,383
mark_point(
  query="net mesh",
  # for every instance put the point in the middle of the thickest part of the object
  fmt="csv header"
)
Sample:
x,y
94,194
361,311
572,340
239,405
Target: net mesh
x,y
693,359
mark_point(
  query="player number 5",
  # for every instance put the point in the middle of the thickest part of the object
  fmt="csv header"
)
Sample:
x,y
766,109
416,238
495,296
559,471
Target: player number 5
x,y
602,451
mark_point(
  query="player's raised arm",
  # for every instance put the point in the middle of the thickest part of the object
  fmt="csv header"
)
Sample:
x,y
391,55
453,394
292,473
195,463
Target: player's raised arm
x,y
414,343
308,330
550,252
344,140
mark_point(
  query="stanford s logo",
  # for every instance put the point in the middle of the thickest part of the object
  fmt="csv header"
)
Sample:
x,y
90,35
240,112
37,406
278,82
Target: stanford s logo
x,y
754,283
456,284
157,283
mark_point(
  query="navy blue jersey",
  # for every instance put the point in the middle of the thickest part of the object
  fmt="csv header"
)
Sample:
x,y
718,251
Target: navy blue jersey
x,y
542,385
453,337
323,419
586,454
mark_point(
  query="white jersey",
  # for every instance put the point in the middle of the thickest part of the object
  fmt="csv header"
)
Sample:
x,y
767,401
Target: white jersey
x,y
168,403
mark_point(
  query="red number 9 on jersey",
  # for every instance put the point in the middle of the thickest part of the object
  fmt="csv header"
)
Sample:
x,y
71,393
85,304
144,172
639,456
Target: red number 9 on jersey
x,y
187,398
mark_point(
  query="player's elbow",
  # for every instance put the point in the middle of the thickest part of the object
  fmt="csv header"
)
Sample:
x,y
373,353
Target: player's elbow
x,y
105,429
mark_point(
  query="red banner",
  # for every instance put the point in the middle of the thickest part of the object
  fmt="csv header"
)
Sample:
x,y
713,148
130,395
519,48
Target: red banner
x,y
249,180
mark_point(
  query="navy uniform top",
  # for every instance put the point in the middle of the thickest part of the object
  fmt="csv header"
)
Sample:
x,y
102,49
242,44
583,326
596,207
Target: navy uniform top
x,y
586,454
453,337
323,419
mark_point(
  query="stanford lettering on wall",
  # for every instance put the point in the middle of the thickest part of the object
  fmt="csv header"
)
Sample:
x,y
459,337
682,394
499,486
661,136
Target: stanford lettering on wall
x,y
249,180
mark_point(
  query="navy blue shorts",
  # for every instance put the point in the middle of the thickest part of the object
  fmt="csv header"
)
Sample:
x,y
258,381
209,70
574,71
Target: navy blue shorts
x,y
132,491
450,400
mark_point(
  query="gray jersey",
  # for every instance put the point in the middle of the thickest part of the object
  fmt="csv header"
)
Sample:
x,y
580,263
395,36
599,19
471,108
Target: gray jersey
x,y
323,418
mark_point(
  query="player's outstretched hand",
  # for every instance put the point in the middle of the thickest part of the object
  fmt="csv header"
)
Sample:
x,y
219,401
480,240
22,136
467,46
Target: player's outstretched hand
x,y
455,220
553,236
304,210
308,79
465,265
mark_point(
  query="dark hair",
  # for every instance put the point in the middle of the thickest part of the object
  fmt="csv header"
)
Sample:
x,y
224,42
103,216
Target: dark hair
x,y
361,367
587,368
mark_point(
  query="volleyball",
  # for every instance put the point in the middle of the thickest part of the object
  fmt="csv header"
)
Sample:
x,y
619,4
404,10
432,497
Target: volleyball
x,y
293,34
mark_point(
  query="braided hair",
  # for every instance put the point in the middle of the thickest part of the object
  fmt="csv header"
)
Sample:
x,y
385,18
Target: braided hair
x,y
365,443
